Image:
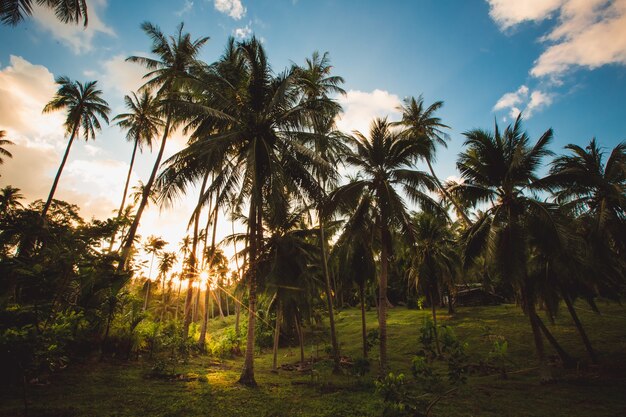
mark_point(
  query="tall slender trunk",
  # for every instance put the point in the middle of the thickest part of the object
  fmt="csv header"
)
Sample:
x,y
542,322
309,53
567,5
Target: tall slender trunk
x,y
300,336
363,321
433,308
196,304
329,301
180,284
579,325
382,296
458,207
539,347
130,171
254,222
193,264
163,298
58,175
237,306
145,195
276,335
145,302
205,318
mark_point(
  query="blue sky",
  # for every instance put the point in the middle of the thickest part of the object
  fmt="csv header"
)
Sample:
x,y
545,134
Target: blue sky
x,y
561,62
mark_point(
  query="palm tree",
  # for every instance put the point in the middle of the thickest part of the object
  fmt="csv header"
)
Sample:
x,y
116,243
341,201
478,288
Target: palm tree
x,y
153,246
175,57
422,124
84,106
435,260
3,143
166,263
13,12
355,255
587,185
384,162
9,199
500,168
142,123
316,83
247,125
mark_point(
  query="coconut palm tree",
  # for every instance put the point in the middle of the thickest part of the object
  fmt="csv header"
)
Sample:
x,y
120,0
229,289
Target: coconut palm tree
x,y
3,143
142,123
175,57
84,106
435,260
420,122
166,263
588,186
13,12
315,81
385,163
500,169
153,246
10,199
247,126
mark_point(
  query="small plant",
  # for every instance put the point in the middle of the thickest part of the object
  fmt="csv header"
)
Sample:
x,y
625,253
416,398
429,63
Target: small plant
x,y
397,399
425,375
427,339
372,339
498,356
361,367
455,354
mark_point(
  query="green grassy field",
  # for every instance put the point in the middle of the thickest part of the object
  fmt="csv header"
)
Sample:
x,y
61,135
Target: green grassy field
x,y
208,387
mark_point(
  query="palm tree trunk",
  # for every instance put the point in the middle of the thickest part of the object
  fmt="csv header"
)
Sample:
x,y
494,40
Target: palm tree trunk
x,y
247,373
363,321
300,336
144,201
237,317
458,207
433,308
193,264
276,335
382,297
579,325
58,175
145,302
130,171
329,301
566,359
180,284
205,319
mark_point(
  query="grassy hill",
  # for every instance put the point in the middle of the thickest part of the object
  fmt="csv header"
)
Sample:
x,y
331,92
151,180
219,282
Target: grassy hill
x,y
205,386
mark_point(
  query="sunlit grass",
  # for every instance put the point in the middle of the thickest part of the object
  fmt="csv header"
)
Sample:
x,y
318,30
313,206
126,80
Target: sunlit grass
x,y
209,386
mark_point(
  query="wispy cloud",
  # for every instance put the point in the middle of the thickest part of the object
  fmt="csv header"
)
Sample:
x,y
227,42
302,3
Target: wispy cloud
x,y
586,34
233,8
76,37
360,108
185,9
523,101
243,32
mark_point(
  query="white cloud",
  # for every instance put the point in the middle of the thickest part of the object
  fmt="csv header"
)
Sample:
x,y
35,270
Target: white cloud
x,y
585,34
118,75
77,37
243,32
512,99
233,8
360,108
508,13
185,9
523,98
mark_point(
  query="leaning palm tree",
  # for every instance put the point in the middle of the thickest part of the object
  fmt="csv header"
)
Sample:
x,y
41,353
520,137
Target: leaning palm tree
x,y
142,123
385,162
84,106
13,12
500,169
421,123
175,56
3,143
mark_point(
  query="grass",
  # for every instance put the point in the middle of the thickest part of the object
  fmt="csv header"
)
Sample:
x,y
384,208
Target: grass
x,y
209,388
